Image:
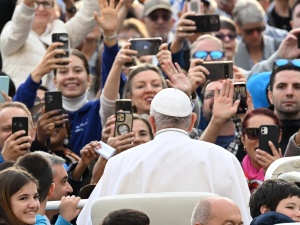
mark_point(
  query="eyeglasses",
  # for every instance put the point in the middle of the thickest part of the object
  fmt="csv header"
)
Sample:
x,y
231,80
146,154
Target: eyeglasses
x,y
252,133
223,36
215,55
209,94
154,16
257,29
45,4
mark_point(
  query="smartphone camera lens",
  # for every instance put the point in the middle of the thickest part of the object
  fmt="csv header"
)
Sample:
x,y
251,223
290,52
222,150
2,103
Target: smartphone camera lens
x,y
264,130
214,20
20,124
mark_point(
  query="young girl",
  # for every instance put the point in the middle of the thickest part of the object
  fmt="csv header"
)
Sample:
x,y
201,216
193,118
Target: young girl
x,y
19,199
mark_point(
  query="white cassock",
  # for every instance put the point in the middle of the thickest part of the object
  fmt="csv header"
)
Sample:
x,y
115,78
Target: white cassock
x,y
173,162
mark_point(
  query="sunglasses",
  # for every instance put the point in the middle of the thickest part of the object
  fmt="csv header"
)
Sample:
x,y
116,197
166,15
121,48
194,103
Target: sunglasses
x,y
214,55
252,133
230,36
155,16
46,5
284,62
257,29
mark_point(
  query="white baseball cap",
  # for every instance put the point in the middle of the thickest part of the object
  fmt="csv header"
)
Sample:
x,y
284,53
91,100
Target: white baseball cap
x,y
172,102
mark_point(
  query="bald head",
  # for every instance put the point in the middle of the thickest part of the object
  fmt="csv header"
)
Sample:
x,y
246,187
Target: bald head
x,y
216,211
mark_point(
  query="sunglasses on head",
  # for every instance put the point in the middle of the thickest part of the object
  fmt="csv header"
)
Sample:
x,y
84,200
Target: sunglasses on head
x,y
214,55
257,29
252,133
223,36
284,62
154,16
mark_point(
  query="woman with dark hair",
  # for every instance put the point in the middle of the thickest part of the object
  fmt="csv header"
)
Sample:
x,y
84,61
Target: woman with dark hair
x,y
227,34
73,81
19,199
257,161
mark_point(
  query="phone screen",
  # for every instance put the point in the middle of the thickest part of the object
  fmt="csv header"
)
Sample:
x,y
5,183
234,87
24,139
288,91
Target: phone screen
x,y
240,93
145,46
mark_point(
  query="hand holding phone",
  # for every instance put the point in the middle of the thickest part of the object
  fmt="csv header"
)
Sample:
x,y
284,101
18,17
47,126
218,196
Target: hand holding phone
x,y
145,46
218,70
206,23
268,133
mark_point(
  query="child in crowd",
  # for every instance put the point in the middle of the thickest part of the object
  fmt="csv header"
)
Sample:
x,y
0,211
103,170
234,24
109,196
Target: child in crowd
x,y
275,201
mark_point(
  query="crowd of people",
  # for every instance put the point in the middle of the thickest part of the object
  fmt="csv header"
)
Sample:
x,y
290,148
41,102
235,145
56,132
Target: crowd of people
x,y
186,134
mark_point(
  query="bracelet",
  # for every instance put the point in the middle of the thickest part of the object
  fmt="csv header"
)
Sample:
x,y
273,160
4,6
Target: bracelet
x,y
110,37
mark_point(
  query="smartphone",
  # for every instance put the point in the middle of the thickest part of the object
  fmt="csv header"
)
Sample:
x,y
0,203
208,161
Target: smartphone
x,y
63,38
268,133
123,124
20,123
240,93
194,6
106,151
298,39
4,86
145,46
53,101
206,23
218,70
124,105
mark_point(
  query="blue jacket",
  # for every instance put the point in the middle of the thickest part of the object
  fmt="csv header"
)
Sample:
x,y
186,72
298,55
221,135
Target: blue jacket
x,y
41,220
85,122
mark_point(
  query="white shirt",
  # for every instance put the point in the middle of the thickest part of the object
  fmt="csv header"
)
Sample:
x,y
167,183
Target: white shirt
x,y
173,162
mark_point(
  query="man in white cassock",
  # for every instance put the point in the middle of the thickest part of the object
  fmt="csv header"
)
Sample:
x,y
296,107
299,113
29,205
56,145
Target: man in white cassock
x,y
172,162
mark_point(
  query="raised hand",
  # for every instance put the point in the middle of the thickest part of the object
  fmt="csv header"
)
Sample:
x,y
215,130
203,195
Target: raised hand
x,y
125,55
265,159
16,146
49,62
176,77
196,74
224,108
108,19
164,54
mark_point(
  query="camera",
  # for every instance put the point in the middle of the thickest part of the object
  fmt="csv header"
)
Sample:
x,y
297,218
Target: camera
x,y
264,130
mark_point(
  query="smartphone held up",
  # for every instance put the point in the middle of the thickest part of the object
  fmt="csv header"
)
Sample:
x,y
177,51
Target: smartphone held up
x,y
62,38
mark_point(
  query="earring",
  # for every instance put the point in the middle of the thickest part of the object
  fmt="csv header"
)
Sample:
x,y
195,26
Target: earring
x,y
66,141
244,148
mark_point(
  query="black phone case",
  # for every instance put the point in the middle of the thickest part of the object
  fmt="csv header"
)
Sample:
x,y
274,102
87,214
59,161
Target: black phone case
x,y
53,101
145,46
268,133
123,124
123,104
206,23
218,70
240,93
63,38
20,123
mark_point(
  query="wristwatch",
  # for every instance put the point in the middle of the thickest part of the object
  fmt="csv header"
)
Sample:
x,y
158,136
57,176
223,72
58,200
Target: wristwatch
x,y
72,10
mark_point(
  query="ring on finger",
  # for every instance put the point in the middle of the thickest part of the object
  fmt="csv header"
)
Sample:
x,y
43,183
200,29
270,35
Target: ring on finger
x,y
180,29
51,126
